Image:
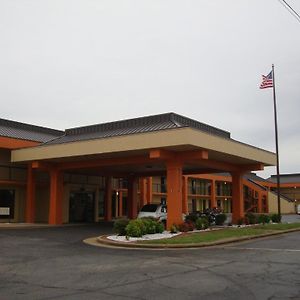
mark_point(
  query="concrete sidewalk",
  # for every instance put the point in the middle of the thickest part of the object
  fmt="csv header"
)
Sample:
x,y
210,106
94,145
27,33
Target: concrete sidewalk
x,y
23,225
37,225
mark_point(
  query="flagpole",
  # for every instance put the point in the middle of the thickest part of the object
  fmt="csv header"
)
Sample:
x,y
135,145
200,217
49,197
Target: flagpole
x,y
276,139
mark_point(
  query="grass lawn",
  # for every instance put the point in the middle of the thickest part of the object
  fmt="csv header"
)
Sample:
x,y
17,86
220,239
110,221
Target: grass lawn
x,y
223,234
281,226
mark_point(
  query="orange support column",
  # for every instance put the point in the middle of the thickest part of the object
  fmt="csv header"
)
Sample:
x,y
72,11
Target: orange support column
x,y
56,196
174,192
108,199
237,197
132,197
30,196
185,194
149,190
213,200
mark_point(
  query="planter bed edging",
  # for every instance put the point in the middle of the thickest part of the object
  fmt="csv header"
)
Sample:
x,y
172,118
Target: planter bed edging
x,y
103,240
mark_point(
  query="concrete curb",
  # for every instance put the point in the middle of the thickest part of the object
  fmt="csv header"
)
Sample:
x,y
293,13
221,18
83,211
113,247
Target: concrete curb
x,y
102,240
35,225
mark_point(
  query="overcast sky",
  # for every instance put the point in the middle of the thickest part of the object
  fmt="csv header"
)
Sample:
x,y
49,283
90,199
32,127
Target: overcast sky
x,y
71,63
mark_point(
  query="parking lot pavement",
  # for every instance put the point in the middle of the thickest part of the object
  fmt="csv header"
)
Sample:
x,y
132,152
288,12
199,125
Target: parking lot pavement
x,y
291,218
53,263
283,243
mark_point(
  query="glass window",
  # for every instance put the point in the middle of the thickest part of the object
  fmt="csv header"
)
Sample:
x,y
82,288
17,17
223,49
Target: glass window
x,y
193,186
163,187
149,208
101,204
7,204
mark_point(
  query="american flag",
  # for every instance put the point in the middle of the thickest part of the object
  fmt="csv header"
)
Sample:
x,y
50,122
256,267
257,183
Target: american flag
x,y
267,81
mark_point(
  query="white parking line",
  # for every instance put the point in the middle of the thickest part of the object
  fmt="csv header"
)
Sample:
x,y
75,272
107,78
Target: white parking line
x,y
264,249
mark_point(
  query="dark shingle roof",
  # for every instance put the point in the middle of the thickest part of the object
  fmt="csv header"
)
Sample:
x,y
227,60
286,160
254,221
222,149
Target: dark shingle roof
x,y
133,126
257,184
285,178
253,177
28,132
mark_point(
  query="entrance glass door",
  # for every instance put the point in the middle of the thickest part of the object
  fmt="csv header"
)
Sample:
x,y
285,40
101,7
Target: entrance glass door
x,y
82,207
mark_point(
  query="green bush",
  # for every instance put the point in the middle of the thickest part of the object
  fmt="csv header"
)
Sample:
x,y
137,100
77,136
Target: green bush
x,y
220,219
120,226
192,217
276,218
202,223
150,225
135,228
139,227
159,227
263,219
252,218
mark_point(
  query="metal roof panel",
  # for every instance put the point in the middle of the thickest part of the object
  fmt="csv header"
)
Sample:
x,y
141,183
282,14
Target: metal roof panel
x,y
29,132
134,126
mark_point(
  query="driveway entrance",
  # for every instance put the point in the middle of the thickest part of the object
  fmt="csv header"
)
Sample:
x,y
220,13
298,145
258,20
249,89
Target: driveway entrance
x,y
53,263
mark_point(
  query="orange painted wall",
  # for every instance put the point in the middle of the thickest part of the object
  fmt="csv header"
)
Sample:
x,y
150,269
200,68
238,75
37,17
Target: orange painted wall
x,y
12,143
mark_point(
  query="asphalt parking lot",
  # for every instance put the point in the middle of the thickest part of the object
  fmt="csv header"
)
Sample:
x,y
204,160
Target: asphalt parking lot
x,y
53,263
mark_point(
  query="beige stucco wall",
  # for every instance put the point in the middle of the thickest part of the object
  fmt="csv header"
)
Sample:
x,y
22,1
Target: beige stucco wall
x,y
291,192
156,199
286,206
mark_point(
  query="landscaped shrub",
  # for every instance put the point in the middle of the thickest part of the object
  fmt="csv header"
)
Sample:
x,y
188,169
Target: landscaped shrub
x,y
240,221
192,217
202,223
173,229
276,218
139,227
183,227
252,218
120,225
263,219
191,225
150,225
220,219
135,228
159,227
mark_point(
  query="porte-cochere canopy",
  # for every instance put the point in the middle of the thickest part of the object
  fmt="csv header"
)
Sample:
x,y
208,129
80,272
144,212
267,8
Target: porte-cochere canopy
x,y
167,144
